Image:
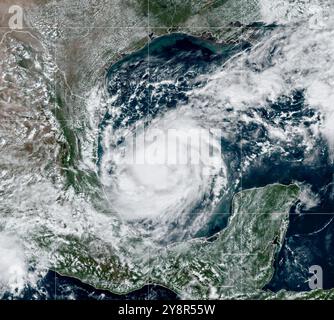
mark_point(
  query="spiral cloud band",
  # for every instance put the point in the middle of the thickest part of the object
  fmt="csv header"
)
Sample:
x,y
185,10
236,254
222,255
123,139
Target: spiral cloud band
x,y
162,169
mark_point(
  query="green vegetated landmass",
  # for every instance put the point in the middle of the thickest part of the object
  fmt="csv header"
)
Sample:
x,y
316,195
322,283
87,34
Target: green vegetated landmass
x,y
237,264
167,12
239,261
173,13
70,153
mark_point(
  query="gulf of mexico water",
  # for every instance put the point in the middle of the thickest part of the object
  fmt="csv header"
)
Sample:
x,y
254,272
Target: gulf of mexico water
x,y
176,63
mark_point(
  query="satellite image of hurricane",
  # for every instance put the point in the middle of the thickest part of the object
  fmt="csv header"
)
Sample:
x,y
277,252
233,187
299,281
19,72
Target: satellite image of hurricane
x,y
166,149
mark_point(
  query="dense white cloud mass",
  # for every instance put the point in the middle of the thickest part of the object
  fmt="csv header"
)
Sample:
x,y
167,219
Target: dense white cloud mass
x,y
13,267
163,171
298,55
